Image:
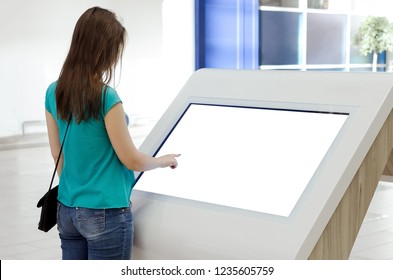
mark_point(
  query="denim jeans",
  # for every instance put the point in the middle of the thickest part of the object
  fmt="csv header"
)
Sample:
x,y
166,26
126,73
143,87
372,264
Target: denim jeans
x,y
95,234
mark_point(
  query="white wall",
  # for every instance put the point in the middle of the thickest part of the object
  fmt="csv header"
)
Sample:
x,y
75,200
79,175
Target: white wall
x,y
35,37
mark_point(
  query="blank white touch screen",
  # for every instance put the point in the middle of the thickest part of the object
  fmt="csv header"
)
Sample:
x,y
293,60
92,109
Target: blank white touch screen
x,y
255,159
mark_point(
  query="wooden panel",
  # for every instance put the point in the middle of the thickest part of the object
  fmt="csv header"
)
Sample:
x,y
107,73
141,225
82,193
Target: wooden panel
x,y
340,233
389,166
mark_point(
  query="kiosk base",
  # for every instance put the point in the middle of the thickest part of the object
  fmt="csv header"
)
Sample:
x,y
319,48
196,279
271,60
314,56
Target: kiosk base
x,y
340,233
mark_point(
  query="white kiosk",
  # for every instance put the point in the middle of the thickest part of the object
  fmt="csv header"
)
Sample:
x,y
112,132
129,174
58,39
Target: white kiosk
x,y
273,165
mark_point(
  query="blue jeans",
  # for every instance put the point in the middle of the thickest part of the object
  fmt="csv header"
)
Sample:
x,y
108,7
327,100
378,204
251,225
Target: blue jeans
x,y
95,234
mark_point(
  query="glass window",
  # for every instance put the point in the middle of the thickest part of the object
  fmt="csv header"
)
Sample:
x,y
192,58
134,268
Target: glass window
x,y
332,5
326,38
318,4
355,56
280,35
280,3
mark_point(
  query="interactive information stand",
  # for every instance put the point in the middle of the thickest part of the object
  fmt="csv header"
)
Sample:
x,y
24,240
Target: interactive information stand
x,y
266,160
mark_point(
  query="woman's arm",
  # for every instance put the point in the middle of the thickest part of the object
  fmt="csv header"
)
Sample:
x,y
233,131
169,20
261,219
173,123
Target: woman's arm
x,y
124,147
54,141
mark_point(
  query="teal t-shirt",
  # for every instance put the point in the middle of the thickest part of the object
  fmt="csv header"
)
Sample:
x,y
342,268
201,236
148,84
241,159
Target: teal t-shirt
x,y
92,175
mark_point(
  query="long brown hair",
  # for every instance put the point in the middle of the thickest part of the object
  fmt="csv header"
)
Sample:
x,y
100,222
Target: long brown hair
x,y
97,45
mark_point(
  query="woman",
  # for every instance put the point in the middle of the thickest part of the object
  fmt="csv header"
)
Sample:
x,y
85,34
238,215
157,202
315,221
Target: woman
x,y
96,167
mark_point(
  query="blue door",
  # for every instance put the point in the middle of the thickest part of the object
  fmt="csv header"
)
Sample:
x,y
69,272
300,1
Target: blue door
x,y
227,34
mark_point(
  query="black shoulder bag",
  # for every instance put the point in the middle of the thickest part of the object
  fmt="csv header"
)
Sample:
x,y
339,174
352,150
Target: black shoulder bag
x,y
49,201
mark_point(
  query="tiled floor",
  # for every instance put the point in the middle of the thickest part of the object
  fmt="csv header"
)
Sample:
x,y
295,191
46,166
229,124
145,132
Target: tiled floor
x,y
25,173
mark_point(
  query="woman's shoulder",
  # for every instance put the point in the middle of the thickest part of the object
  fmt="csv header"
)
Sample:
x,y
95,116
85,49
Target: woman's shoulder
x,y
50,98
51,88
110,98
109,90
110,93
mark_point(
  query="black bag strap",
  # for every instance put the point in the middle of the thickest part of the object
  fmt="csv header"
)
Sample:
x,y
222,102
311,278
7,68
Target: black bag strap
x,y
58,158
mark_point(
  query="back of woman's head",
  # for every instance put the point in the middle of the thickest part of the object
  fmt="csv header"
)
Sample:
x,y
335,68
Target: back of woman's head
x,y
96,47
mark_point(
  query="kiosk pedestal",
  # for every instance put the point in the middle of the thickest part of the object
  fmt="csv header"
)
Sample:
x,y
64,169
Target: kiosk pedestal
x,y
337,239
274,165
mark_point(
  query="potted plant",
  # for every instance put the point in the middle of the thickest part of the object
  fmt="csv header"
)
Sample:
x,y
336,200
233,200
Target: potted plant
x,y
375,36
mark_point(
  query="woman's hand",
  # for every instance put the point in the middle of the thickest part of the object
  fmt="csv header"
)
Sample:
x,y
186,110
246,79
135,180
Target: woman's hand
x,y
169,161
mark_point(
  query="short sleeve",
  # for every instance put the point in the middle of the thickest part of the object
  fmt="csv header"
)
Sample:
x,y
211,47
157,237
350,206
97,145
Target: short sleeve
x,y
110,99
50,102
